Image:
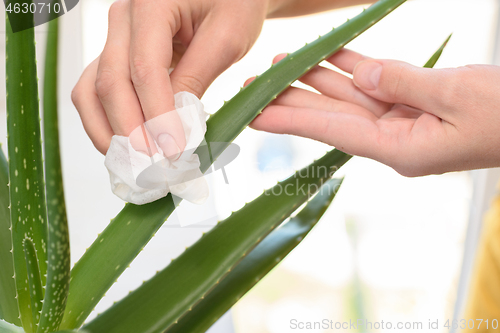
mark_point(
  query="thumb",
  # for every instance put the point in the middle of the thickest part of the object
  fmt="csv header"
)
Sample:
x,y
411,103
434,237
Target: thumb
x,y
399,82
211,51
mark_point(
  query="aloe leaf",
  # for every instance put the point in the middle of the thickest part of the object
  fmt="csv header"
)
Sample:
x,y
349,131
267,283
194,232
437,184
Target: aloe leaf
x,y
262,259
101,264
256,264
252,99
8,303
162,300
154,210
58,268
27,195
34,281
435,57
90,277
6,327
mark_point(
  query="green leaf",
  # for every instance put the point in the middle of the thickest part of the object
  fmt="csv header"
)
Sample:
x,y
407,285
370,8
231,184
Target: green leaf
x,y
260,260
27,193
6,327
34,280
101,265
8,303
256,265
435,57
91,276
171,293
58,268
237,113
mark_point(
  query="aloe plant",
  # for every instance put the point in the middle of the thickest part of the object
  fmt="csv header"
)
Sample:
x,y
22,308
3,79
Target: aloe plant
x,y
58,270
88,285
203,282
8,303
27,193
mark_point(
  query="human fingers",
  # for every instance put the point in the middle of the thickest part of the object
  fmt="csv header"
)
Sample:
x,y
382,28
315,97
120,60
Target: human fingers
x,y
178,50
339,129
398,82
90,109
340,87
113,84
402,111
412,146
217,44
153,25
346,60
300,98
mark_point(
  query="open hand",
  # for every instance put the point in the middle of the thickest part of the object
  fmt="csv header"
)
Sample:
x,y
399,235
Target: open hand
x,y
419,121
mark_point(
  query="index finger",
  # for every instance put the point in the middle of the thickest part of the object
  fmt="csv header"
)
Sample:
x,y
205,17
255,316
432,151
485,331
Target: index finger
x,y
346,60
153,26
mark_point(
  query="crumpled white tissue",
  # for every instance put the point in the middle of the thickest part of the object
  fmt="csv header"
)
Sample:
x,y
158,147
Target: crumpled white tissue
x,y
140,179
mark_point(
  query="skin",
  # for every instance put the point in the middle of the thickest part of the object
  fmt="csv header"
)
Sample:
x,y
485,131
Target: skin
x,y
419,121
129,83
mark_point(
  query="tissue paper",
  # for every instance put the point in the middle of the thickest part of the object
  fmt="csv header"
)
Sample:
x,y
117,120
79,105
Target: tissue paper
x,y
140,177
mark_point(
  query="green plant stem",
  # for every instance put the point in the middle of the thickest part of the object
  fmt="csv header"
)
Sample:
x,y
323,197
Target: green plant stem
x,y
8,303
6,327
58,270
252,268
34,281
27,193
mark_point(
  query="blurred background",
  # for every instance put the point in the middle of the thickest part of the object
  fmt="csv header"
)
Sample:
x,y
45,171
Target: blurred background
x,y
390,248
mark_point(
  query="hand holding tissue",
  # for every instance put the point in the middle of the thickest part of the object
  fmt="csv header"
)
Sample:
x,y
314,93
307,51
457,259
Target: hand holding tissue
x,y
140,173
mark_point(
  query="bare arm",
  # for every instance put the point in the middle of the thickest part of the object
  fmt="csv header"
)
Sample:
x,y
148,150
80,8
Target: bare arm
x,y
288,8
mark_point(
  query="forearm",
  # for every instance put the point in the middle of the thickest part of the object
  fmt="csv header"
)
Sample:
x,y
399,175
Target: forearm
x,y
288,8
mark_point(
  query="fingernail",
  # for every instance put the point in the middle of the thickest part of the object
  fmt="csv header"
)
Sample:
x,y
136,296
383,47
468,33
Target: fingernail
x,y
169,147
367,75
